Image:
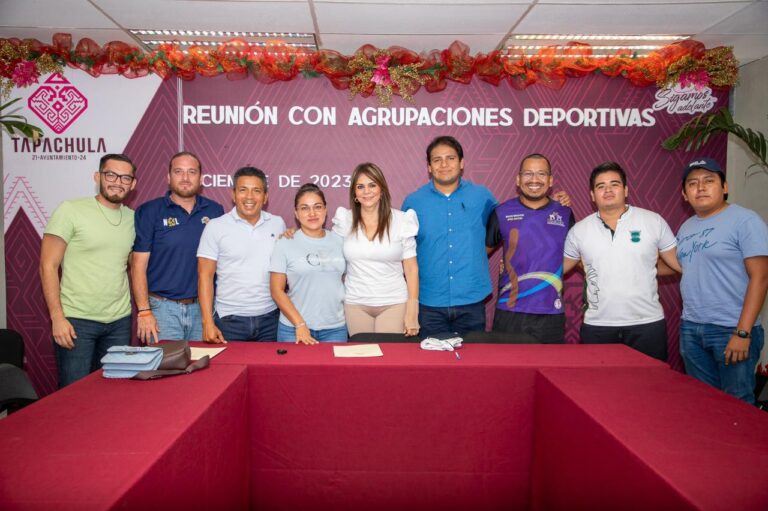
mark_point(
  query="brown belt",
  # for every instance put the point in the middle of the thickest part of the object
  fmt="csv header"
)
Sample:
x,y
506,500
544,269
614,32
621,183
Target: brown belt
x,y
182,301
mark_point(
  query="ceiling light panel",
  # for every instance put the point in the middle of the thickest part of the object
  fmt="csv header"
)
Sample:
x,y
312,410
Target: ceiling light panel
x,y
152,38
601,45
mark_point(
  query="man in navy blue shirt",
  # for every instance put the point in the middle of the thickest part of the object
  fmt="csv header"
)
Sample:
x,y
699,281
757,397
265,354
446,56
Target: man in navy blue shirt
x,y
453,264
164,261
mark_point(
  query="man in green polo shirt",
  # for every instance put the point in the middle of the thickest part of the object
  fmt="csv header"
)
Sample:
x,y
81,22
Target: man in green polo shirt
x,y
90,239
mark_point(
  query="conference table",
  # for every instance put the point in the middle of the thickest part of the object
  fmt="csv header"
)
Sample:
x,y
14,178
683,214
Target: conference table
x,y
530,427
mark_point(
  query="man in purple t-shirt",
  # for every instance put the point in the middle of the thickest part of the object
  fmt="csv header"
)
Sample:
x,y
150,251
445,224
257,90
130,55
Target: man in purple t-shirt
x,y
532,228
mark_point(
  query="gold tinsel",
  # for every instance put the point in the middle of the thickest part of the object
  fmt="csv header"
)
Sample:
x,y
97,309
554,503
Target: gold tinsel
x,y
406,78
10,53
721,67
6,86
375,71
361,80
46,65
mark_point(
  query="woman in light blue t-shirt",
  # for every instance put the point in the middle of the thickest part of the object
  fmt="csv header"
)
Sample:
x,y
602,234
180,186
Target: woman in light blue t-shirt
x,y
311,264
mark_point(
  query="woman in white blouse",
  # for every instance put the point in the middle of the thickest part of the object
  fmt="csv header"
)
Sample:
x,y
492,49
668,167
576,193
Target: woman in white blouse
x,y
382,282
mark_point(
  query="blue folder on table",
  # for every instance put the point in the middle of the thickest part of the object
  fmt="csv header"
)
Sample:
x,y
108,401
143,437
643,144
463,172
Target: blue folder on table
x,y
127,361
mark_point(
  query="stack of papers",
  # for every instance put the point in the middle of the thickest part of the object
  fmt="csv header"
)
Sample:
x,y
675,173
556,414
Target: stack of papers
x,y
358,350
198,353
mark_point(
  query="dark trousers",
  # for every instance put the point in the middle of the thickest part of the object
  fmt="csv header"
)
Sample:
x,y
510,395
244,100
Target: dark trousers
x,y
650,338
442,320
545,328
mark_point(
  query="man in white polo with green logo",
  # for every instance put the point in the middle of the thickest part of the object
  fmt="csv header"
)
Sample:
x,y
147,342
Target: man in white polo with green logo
x,y
90,240
619,247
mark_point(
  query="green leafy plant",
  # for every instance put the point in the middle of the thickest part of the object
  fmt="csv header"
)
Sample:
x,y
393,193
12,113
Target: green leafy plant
x,y
13,123
696,132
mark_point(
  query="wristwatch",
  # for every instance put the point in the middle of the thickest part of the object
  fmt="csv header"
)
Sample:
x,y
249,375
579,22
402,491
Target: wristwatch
x,y
742,333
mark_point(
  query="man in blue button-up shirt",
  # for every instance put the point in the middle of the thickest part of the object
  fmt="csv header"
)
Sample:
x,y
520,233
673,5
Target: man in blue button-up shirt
x,y
164,260
453,263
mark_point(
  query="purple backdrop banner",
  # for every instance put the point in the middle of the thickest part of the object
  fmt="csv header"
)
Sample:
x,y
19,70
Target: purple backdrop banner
x,y
304,130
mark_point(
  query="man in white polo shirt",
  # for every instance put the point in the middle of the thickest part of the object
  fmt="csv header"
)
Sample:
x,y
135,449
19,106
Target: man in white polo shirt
x,y
619,247
237,248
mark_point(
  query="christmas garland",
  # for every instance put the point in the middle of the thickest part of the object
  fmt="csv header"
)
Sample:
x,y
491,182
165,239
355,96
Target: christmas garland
x,y
370,70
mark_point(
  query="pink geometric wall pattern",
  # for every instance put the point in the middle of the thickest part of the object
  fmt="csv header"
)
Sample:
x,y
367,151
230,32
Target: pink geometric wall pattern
x,y
154,140
27,312
57,103
19,195
669,296
492,153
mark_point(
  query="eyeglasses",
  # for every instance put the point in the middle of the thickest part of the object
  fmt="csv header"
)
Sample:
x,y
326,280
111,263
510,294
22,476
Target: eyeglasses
x,y
528,174
305,208
111,177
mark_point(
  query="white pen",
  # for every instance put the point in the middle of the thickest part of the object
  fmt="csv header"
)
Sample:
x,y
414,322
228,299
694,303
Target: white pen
x,y
458,357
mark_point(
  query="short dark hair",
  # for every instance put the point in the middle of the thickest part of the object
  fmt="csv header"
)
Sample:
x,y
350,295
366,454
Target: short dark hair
x,y
609,166
444,140
185,153
117,157
251,172
305,189
536,156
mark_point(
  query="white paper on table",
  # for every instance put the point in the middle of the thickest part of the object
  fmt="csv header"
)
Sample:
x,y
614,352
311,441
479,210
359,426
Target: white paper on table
x,y
198,353
358,350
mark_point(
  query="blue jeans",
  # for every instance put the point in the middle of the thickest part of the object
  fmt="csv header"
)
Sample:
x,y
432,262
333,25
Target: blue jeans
x,y
249,328
287,333
176,321
702,346
460,319
93,341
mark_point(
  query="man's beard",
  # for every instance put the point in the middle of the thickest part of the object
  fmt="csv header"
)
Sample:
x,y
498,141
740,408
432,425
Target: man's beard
x,y
185,194
114,199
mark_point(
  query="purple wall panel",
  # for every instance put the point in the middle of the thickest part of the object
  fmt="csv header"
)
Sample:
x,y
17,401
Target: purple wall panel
x,y
27,313
492,155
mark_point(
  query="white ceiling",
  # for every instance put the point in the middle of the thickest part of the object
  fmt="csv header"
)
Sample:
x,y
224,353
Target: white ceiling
x,y
345,25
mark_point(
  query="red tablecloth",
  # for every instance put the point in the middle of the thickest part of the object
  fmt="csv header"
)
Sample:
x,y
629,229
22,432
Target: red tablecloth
x,y
644,441
169,444
504,427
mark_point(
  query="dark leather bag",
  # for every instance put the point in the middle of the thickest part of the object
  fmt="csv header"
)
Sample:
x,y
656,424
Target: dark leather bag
x,y
177,359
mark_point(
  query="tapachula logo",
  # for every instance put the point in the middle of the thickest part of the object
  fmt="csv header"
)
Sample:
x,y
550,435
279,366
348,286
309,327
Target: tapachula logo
x,y
57,103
